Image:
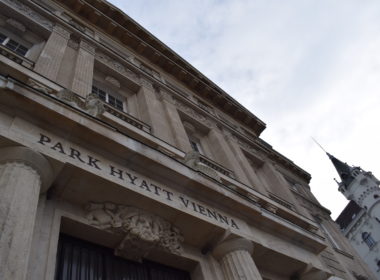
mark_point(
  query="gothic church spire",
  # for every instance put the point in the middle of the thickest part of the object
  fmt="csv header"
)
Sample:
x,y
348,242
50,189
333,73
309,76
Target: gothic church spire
x,y
343,169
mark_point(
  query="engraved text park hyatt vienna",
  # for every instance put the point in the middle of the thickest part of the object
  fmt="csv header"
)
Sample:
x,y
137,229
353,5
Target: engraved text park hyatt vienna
x,y
130,178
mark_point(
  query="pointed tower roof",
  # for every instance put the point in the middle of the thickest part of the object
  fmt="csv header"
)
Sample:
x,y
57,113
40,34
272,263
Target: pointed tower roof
x,y
343,169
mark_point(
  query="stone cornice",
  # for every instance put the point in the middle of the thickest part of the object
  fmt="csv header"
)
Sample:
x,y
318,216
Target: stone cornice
x,y
257,142
120,26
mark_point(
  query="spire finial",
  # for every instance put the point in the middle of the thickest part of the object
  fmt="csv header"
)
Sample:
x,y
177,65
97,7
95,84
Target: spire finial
x,y
320,146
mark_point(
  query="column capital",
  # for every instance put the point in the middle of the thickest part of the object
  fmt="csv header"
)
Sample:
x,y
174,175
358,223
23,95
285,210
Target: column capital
x,y
30,158
231,245
58,29
87,46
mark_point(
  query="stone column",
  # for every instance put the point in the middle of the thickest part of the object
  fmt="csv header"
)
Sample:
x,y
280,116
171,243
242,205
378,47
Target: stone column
x,y
152,111
84,69
24,174
223,154
181,139
245,165
49,62
236,261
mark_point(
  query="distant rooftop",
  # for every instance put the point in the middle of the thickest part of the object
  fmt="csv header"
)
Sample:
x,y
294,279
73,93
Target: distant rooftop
x,y
348,214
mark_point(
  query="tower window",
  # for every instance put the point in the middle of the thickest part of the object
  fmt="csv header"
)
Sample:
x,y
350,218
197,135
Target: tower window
x,y
367,238
108,98
13,45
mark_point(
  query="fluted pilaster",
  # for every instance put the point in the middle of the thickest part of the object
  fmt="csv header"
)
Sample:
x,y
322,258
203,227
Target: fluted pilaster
x,y
23,175
49,62
84,69
235,259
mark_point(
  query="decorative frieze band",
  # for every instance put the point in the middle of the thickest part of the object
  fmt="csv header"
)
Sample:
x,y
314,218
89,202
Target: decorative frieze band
x,y
20,7
142,231
87,47
61,31
16,24
116,66
192,113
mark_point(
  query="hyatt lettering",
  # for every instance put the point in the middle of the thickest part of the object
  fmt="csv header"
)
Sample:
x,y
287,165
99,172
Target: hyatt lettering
x,y
135,181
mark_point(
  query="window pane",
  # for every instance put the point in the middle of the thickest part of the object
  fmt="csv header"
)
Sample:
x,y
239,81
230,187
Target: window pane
x,y
111,100
119,104
2,38
12,44
22,50
94,90
102,94
194,146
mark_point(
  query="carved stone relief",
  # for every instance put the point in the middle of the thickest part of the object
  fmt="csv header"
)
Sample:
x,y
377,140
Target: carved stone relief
x,y
113,81
118,67
146,83
93,105
70,98
142,231
29,13
40,87
192,159
73,44
162,94
16,24
195,115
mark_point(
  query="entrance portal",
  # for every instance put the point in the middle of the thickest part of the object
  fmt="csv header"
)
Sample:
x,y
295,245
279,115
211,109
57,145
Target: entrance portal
x,y
81,260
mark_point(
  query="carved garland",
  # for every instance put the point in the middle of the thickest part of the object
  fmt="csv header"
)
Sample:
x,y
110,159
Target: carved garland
x,y
142,231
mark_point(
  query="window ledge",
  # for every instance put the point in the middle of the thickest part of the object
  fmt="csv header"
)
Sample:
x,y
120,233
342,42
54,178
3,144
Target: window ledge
x,y
16,57
127,118
206,165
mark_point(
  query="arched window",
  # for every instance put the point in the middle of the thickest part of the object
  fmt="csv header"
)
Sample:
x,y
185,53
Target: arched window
x,y
367,238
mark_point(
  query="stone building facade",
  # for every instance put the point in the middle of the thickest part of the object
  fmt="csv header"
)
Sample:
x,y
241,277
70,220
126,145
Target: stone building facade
x,y
119,158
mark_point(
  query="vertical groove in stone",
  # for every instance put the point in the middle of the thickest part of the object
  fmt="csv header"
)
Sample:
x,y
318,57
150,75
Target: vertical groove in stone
x,y
19,193
83,75
49,62
176,127
239,265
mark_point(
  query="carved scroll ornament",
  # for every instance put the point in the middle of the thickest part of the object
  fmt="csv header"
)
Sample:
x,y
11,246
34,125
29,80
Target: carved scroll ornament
x,y
143,231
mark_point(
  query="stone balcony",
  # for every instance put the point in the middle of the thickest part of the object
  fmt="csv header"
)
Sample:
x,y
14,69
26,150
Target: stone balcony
x,y
207,166
16,57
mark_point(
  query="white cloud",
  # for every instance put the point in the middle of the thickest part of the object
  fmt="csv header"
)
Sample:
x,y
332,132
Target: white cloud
x,y
306,68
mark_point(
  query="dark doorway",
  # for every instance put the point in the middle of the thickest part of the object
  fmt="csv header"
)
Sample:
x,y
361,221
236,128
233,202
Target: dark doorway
x,y
81,260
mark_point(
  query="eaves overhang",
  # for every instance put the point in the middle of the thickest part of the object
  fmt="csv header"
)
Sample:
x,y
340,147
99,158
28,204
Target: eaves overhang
x,y
123,28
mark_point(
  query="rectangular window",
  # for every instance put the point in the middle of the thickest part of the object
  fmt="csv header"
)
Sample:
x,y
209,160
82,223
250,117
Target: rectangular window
x,y
2,38
196,145
13,45
108,98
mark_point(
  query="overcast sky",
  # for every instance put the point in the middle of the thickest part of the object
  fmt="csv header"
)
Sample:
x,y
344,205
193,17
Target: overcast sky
x,y
307,68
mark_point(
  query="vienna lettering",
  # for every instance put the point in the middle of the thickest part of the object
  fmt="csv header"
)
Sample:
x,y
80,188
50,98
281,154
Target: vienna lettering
x,y
135,181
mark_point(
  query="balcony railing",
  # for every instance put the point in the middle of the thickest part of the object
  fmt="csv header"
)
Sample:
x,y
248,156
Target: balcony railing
x,y
219,168
207,166
16,57
127,118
